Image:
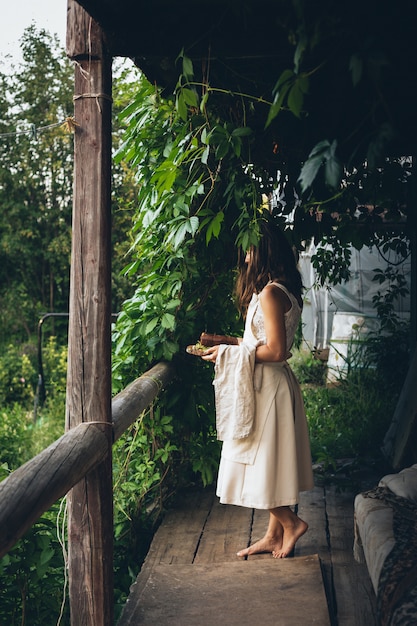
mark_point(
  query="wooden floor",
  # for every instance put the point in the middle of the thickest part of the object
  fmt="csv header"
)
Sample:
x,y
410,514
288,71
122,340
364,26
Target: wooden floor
x,y
191,575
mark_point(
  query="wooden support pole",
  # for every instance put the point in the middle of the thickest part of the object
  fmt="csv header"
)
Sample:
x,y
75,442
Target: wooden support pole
x,y
90,502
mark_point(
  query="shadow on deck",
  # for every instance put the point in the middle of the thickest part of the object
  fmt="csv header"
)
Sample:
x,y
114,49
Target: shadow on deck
x,y
192,576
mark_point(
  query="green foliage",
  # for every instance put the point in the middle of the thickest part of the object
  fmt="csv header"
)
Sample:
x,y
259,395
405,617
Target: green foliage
x,y
15,435
340,73
291,87
192,170
201,193
384,301
36,177
323,154
347,420
350,419
17,376
54,361
142,461
35,186
308,368
35,563
21,436
191,200
142,481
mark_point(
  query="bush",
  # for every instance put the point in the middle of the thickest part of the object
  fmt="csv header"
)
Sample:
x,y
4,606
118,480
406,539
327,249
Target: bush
x,y
35,563
351,418
17,375
307,368
15,435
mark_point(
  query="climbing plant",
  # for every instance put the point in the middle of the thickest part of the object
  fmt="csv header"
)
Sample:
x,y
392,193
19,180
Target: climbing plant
x,y
202,190
199,198
208,161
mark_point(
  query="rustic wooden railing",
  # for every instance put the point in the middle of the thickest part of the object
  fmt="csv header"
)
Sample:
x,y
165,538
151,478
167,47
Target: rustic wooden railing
x,y
31,490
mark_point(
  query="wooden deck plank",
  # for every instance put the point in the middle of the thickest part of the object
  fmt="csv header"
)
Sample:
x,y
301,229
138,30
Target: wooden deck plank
x,y
203,595
177,539
226,530
200,532
312,509
350,579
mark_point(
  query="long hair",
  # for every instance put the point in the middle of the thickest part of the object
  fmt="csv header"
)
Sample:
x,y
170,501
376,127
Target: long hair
x,y
272,259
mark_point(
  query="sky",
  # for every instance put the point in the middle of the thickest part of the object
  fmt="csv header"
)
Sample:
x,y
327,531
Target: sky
x,y
48,14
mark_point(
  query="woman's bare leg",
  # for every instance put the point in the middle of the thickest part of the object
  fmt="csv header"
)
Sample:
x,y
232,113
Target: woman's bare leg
x,y
293,526
271,542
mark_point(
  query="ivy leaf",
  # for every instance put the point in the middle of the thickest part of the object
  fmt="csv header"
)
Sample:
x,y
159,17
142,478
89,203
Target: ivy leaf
x,y
214,227
333,171
286,77
150,326
168,321
205,155
309,171
222,149
295,99
187,67
173,304
193,221
190,97
181,105
242,131
323,153
278,102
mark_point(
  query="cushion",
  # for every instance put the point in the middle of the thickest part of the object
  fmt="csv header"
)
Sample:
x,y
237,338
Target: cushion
x,y
403,484
373,521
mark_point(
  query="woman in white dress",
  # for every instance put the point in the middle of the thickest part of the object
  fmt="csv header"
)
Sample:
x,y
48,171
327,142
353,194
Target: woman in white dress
x,y
268,468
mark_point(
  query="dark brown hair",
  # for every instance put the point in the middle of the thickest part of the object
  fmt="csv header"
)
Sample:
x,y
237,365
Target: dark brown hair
x,y
273,259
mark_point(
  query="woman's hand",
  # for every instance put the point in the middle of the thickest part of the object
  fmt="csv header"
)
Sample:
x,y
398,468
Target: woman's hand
x,y
210,354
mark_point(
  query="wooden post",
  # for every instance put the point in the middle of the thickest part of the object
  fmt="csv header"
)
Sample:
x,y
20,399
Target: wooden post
x,y
90,502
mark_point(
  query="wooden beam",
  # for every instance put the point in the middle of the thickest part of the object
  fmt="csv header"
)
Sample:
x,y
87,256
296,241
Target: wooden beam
x,y
132,401
90,502
31,489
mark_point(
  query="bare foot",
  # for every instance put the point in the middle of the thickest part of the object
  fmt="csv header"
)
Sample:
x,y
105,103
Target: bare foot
x,y
266,544
292,533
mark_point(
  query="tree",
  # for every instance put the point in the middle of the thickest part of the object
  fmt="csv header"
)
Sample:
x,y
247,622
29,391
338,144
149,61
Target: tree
x,y
36,174
35,186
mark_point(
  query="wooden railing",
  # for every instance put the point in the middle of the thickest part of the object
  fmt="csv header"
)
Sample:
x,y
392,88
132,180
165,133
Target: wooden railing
x,y
31,489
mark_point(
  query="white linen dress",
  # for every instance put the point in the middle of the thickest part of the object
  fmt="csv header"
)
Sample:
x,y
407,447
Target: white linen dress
x,y
278,448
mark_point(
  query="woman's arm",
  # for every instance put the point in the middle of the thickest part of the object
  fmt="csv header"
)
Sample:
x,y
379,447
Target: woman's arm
x,y
274,303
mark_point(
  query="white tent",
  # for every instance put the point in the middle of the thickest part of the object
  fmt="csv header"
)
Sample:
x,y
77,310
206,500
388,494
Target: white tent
x,y
337,316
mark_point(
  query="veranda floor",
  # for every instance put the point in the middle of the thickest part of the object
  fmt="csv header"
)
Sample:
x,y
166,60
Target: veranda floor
x,y
192,576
